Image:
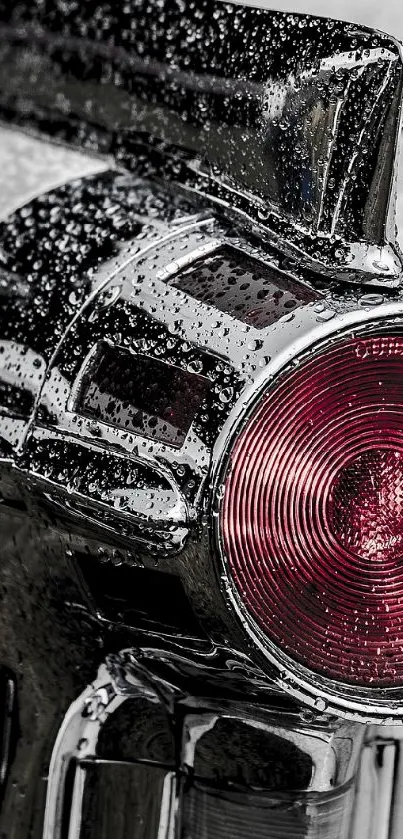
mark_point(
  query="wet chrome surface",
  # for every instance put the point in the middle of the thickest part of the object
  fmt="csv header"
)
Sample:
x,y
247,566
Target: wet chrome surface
x,y
295,129
95,519
54,519
297,761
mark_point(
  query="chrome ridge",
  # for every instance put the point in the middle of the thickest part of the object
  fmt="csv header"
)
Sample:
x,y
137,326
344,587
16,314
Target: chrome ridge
x,y
330,751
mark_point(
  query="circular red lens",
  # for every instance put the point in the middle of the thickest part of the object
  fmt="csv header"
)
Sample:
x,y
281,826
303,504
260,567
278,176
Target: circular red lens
x,y
312,515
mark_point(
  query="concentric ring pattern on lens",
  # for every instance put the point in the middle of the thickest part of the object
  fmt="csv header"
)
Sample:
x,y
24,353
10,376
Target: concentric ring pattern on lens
x,y
312,514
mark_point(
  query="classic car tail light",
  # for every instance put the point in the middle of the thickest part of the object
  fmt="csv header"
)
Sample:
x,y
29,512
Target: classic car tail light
x,y
312,514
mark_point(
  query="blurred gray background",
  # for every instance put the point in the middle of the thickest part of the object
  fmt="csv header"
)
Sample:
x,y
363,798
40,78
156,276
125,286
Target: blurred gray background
x,y
379,14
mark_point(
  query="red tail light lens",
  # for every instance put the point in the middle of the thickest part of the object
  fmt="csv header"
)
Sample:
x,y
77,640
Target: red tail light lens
x,y
312,515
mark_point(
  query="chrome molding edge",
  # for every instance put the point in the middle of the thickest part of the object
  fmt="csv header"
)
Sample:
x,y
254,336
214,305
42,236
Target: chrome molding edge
x,y
330,748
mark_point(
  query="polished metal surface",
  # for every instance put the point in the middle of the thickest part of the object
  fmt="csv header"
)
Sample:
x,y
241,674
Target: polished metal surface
x,y
378,810
233,743
156,496
141,270
136,695
280,132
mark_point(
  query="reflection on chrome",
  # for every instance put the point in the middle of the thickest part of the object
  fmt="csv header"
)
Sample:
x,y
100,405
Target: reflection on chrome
x,y
201,434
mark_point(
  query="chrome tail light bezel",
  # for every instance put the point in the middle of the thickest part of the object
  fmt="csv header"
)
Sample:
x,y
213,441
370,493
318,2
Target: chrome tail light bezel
x,y
305,339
